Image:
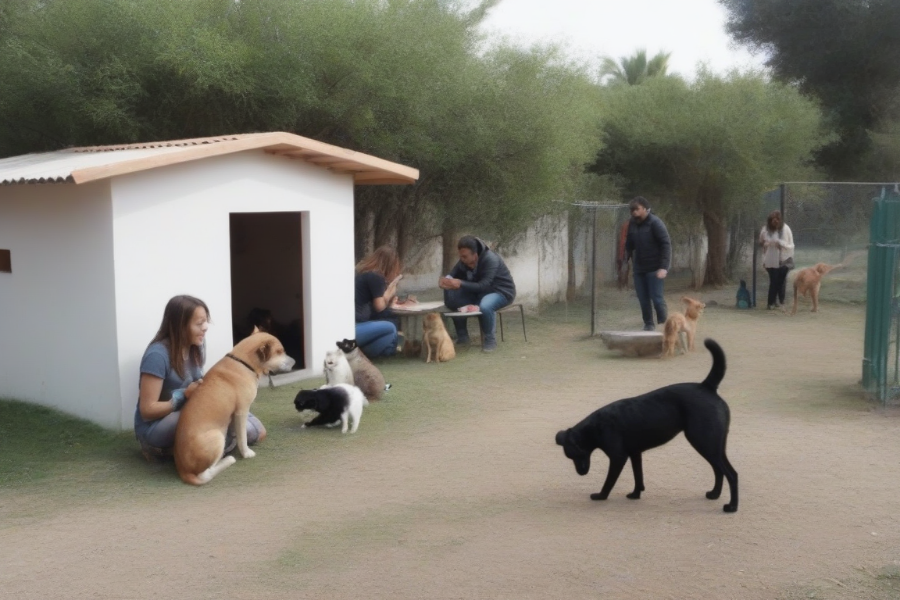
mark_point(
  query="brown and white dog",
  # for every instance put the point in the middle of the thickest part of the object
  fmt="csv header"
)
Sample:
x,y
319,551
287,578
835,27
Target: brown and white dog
x,y
678,323
808,281
224,399
436,339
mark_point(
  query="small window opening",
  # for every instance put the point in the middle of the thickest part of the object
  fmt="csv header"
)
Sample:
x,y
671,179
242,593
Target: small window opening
x,y
5,262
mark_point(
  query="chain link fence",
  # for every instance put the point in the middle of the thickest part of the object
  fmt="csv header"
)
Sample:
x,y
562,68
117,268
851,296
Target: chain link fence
x,y
830,223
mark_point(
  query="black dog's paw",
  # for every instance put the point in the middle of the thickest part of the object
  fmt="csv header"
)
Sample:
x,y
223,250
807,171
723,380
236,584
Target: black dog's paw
x,y
634,495
713,495
599,496
729,508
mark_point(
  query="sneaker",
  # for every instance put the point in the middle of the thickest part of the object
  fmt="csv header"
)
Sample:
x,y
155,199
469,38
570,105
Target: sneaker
x,y
489,346
463,341
152,454
649,328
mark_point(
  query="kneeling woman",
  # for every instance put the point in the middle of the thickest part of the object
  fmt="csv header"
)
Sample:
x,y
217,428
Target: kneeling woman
x,y
171,369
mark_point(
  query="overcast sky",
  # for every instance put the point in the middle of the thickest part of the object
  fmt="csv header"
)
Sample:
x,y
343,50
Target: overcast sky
x,y
692,30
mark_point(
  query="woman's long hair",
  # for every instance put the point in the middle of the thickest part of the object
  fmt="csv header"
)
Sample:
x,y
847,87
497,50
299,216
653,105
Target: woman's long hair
x,y
384,260
773,222
175,331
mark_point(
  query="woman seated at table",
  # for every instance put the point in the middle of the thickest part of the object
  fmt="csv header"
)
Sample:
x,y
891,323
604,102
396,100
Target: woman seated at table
x,y
377,276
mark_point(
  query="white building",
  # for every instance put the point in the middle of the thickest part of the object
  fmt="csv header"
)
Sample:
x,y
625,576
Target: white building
x,y
94,242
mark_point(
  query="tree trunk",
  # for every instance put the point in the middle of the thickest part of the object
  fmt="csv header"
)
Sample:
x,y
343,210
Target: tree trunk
x,y
364,239
406,224
717,234
450,253
386,217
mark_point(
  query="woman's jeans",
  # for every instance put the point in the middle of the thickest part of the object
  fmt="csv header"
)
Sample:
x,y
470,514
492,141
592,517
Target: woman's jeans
x,y
488,304
377,338
161,433
649,290
777,287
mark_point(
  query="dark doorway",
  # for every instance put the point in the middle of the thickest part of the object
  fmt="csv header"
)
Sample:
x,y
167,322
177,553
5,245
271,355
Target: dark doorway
x,y
267,278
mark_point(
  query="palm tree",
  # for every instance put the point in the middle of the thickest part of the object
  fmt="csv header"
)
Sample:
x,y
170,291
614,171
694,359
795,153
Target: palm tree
x,y
635,69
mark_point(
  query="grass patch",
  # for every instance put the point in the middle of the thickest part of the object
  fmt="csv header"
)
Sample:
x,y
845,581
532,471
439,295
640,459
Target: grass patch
x,y
40,442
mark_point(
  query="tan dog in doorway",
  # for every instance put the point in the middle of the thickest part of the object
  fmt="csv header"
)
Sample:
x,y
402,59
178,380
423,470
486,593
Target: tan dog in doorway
x,y
436,339
224,399
808,281
679,323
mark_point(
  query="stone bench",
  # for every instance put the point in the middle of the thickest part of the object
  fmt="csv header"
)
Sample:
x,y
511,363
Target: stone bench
x,y
634,343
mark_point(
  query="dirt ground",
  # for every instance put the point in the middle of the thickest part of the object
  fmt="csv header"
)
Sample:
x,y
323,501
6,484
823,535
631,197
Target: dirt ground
x,y
453,486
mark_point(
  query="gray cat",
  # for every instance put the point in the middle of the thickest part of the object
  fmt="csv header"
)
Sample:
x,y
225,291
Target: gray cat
x,y
366,376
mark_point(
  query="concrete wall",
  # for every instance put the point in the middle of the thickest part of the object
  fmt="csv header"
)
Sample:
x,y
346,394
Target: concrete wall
x,y
58,342
538,259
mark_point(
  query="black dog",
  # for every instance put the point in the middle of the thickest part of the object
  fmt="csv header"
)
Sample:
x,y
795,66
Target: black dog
x,y
625,428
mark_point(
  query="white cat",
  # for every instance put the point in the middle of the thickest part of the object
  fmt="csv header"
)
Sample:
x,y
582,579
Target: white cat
x,y
337,369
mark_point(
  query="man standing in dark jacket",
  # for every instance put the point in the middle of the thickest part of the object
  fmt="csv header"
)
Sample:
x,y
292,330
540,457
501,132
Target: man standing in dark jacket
x,y
650,250
481,279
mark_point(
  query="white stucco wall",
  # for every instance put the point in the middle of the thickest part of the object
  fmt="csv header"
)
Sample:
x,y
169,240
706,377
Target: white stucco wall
x,y
57,308
171,236
538,261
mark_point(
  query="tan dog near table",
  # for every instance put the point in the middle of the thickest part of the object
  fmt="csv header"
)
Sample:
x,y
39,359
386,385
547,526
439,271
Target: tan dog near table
x,y
224,399
436,339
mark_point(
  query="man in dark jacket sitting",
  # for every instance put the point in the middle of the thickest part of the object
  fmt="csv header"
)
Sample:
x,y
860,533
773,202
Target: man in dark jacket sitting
x,y
650,250
481,279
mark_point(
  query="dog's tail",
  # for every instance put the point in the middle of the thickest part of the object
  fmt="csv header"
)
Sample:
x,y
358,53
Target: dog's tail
x,y
670,329
717,372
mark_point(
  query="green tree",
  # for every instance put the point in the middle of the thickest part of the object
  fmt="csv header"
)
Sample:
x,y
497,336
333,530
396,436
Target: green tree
x,y
845,53
634,70
497,133
708,147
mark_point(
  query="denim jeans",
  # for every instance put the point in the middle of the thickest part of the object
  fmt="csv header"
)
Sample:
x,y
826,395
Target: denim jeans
x,y
488,304
777,287
161,433
649,290
377,338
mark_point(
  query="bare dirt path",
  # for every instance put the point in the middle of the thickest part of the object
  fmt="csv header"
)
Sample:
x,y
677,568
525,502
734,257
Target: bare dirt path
x,y
454,488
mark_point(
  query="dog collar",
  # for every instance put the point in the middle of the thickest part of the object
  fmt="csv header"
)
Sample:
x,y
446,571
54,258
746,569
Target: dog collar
x,y
243,362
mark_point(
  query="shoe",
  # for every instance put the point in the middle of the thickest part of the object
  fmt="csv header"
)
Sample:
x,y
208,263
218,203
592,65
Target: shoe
x,y
463,341
230,444
489,346
153,455
649,328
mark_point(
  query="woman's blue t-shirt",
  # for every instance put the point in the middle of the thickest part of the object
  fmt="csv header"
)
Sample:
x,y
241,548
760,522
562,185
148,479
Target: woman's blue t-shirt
x,y
156,362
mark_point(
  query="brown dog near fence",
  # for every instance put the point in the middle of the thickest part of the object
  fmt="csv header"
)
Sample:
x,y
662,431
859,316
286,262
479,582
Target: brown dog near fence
x,y
808,281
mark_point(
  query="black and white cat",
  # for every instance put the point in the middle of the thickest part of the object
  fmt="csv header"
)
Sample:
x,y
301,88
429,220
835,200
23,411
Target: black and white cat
x,y
366,376
330,405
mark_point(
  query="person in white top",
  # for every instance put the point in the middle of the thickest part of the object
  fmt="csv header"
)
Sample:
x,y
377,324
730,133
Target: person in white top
x,y
778,256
